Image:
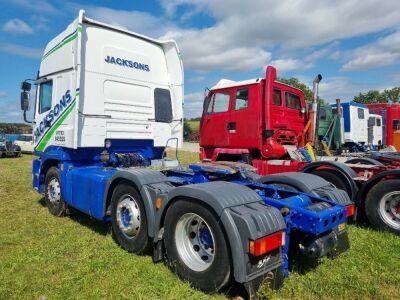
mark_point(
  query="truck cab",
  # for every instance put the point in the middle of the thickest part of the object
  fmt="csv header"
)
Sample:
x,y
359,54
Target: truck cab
x,y
253,117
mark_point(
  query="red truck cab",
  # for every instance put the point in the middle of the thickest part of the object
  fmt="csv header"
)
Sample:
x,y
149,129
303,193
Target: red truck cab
x,y
252,117
390,113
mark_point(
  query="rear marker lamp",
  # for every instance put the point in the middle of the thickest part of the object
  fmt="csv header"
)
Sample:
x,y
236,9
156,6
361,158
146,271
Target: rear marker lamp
x,y
350,210
267,243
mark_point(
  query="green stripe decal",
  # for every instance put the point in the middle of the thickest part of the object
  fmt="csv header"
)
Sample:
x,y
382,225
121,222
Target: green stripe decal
x,y
63,43
50,133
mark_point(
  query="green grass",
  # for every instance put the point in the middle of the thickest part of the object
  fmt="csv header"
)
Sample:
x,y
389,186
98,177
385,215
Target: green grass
x,y
194,125
75,257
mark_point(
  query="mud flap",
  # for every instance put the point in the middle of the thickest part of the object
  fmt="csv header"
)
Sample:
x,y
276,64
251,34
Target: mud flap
x,y
274,279
343,244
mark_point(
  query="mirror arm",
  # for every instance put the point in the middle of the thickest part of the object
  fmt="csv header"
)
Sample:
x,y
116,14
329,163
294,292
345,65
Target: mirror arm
x,y
26,121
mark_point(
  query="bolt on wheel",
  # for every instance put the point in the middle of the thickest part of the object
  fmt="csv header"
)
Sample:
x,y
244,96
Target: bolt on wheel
x,y
389,209
128,216
195,242
54,191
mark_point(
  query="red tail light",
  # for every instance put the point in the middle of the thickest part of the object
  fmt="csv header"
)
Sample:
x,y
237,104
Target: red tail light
x,y
350,209
267,243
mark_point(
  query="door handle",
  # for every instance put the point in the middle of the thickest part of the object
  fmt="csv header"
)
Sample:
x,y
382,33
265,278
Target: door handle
x,y
231,126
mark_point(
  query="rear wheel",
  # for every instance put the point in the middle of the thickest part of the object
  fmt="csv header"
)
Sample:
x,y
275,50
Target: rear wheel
x,y
53,196
333,178
128,219
383,205
196,246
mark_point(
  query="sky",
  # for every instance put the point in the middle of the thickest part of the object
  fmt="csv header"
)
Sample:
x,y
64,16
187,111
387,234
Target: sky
x,y
355,45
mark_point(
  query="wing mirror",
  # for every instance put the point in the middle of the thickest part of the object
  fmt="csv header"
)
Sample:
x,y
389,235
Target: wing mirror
x,y
26,86
25,101
25,95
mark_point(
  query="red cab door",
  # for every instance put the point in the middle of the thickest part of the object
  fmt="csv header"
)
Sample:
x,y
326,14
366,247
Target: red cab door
x,y
244,126
214,124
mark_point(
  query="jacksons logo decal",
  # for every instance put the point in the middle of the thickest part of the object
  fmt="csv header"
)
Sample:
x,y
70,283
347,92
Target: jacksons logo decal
x,y
126,63
52,115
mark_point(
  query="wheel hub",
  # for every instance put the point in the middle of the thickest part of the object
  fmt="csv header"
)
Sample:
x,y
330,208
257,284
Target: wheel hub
x,y
390,208
195,242
54,191
128,216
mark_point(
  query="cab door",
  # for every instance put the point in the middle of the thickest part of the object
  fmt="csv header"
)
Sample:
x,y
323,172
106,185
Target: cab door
x,y
214,127
244,126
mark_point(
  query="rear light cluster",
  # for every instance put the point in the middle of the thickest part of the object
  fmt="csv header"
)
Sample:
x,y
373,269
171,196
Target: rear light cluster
x,y
267,244
350,209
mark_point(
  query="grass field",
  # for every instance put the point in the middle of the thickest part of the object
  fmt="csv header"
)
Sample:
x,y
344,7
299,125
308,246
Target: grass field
x,y
194,125
75,257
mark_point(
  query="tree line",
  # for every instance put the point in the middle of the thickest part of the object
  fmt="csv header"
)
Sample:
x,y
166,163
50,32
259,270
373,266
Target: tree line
x,y
375,96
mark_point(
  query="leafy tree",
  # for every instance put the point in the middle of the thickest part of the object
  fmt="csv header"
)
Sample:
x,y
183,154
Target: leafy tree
x,y
295,82
392,95
374,96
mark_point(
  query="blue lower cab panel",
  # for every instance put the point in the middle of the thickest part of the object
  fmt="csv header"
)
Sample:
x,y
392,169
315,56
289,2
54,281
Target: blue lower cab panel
x,y
84,189
35,174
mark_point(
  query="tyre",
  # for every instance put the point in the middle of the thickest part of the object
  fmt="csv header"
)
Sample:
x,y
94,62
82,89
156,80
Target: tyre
x,y
53,196
333,178
382,205
128,219
196,246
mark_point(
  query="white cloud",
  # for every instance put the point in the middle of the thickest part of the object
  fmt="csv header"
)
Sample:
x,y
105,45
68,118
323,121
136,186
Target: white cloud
x,y
345,89
197,79
245,29
40,22
236,60
137,21
40,6
307,61
383,52
292,23
193,105
289,64
17,26
3,94
19,50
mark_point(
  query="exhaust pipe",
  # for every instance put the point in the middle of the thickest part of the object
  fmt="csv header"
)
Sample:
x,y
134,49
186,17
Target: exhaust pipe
x,y
315,109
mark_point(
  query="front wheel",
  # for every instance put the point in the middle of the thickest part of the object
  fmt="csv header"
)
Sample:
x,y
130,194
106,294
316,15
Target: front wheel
x,y
383,205
53,196
128,219
196,246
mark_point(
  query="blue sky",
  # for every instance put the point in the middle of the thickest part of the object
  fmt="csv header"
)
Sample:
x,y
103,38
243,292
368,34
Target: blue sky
x,y
355,45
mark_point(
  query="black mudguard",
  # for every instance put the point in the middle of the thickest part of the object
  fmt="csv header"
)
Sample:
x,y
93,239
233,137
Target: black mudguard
x,y
310,184
345,172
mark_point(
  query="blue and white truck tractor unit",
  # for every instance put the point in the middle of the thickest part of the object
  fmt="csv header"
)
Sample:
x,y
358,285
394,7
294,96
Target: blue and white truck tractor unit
x,y
108,101
361,129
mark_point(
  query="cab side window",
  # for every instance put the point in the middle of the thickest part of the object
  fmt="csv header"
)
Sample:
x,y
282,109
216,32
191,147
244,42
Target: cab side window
x,y
396,124
219,103
242,99
45,96
293,101
277,97
360,113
